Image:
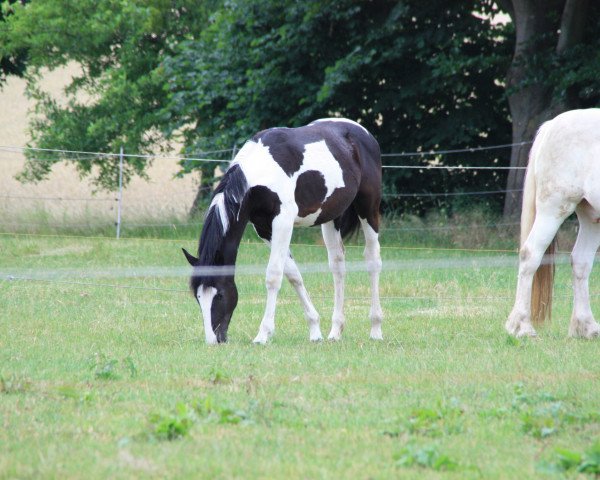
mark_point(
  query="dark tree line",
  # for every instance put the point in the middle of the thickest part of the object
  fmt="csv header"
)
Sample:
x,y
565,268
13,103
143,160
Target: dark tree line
x,y
420,75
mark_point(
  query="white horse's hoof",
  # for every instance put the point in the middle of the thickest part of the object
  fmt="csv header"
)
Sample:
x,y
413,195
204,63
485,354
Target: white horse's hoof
x,y
334,337
519,325
262,338
376,336
584,328
521,329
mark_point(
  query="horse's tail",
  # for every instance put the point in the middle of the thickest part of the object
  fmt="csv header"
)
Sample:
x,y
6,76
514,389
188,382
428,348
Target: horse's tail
x,y
349,222
543,280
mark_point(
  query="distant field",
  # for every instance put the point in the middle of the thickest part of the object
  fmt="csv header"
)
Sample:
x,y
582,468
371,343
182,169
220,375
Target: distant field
x,y
159,197
106,375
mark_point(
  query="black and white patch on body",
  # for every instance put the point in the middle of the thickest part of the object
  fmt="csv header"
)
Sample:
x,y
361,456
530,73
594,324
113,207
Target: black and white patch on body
x,y
287,170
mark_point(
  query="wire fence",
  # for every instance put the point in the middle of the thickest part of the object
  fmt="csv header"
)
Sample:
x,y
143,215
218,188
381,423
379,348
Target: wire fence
x,y
480,258
32,207
96,277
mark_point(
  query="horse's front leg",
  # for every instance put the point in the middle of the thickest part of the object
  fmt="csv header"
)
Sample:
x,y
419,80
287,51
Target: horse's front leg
x,y
283,225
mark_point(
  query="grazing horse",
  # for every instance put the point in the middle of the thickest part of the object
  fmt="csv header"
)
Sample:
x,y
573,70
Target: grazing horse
x,y
563,177
327,173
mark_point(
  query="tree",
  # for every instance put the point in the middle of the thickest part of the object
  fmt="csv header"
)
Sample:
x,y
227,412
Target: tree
x,y
555,67
116,99
419,75
12,63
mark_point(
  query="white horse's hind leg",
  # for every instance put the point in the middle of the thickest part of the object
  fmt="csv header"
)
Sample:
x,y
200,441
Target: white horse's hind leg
x,y
335,254
312,317
373,258
280,244
530,257
583,323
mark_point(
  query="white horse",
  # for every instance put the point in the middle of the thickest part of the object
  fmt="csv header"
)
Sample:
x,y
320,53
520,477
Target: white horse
x,y
563,177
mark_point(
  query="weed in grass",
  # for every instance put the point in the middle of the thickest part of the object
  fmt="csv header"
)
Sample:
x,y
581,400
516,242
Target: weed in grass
x,y
177,424
517,342
444,419
109,368
69,391
570,461
542,414
216,376
543,422
171,426
521,397
209,412
130,366
424,457
14,384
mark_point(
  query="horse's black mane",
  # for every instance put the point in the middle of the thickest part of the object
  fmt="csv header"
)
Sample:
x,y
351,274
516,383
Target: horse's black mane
x,y
234,187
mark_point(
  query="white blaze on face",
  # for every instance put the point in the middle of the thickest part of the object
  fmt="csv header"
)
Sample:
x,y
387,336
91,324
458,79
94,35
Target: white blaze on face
x,y
205,297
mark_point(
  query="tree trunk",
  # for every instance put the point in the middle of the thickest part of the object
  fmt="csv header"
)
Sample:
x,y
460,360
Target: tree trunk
x,y
527,104
531,105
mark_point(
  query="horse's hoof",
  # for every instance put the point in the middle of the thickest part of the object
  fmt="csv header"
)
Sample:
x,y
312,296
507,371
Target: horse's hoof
x,y
376,333
584,329
260,340
518,325
520,330
336,332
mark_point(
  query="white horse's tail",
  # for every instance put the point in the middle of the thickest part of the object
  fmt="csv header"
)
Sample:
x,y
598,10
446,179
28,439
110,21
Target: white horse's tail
x,y
543,280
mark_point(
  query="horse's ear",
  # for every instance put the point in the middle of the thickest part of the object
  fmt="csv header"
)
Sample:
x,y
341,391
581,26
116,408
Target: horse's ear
x,y
193,261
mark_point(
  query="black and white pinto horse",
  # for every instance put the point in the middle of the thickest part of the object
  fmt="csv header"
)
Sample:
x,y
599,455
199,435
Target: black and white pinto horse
x,y
563,177
327,173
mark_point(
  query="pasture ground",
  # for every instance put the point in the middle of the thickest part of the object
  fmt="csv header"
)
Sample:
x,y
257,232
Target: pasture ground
x,y
102,379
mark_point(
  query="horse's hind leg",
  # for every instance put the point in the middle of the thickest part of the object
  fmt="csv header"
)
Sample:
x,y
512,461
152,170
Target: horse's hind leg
x,y
530,257
292,273
335,254
373,259
583,323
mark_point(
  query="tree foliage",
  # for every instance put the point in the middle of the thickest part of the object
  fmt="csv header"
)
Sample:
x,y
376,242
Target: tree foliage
x,y
13,62
419,75
116,98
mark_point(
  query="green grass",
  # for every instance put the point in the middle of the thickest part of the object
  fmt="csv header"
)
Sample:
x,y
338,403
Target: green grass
x,y
116,382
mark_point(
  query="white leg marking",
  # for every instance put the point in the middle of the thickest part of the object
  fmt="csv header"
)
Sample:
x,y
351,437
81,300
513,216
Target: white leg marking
x,y
205,298
373,258
583,323
312,317
283,225
335,253
531,254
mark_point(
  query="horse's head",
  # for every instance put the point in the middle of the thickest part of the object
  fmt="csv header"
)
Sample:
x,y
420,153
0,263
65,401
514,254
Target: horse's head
x,y
217,296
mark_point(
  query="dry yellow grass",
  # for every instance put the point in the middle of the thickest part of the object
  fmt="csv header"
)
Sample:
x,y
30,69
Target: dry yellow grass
x,y
159,197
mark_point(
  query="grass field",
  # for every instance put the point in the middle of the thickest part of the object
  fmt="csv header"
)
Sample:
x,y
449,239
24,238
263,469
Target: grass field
x,y
103,379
